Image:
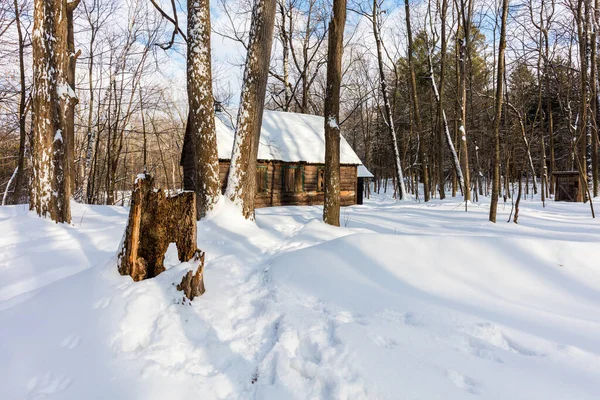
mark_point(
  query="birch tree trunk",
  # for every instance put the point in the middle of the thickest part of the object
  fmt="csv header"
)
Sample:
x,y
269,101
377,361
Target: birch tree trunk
x,y
241,183
331,208
52,96
498,116
389,120
201,150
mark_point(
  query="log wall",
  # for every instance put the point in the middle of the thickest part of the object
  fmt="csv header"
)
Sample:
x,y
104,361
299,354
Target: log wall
x,y
275,196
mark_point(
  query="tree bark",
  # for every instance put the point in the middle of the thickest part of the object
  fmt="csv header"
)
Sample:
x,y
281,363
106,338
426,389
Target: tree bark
x,y
200,128
241,183
331,208
52,96
155,221
498,114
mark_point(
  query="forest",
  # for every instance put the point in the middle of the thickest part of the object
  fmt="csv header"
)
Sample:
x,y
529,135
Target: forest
x,y
409,72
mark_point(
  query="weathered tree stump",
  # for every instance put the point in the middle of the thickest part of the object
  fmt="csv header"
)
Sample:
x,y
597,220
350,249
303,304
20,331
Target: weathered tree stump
x,y
192,284
155,221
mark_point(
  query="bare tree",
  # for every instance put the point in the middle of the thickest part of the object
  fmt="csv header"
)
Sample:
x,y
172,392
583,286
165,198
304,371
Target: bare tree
x,y
241,184
414,96
331,208
52,96
389,120
498,113
17,195
201,121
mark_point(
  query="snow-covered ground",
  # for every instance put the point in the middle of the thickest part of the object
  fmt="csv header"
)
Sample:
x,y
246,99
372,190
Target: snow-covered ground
x,y
405,301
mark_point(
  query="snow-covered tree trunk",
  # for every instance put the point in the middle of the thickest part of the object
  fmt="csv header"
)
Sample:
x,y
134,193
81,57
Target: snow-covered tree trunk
x,y
389,120
200,157
331,208
241,184
51,97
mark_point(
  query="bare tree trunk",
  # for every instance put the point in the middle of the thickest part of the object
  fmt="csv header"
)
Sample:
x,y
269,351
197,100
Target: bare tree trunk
x,y
52,96
86,194
17,195
415,104
498,115
284,36
518,202
539,112
389,119
582,36
594,96
463,49
458,175
331,208
440,106
70,112
241,184
200,128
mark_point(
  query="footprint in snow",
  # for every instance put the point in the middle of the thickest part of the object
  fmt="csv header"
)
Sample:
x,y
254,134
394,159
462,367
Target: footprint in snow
x,y
47,385
498,337
478,348
408,318
71,341
462,381
102,303
381,341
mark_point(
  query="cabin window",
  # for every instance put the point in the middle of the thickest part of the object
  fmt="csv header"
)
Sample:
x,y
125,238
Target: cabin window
x,y
321,179
293,178
261,179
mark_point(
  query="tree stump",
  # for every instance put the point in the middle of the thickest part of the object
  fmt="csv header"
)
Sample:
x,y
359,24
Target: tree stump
x,y
192,284
155,221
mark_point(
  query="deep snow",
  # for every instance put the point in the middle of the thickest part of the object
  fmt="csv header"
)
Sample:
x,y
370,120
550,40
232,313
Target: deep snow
x,y
404,301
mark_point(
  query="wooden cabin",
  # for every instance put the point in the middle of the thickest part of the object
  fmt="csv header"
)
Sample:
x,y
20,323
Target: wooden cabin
x,y
291,160
568,186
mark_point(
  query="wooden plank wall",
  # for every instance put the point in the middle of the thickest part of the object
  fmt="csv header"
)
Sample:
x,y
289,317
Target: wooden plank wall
x,y
275,195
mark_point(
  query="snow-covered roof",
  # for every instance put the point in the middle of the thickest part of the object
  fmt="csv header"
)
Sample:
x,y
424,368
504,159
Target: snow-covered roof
x,y
285,136
363,172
